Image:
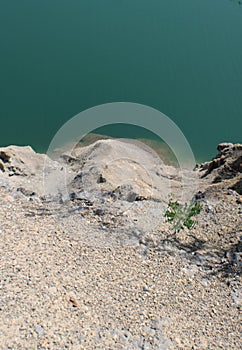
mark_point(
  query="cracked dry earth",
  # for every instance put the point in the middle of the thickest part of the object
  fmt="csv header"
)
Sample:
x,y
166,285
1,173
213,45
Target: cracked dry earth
x,y
68,283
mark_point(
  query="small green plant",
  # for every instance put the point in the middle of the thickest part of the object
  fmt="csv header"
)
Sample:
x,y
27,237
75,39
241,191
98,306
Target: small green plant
x,y
181,215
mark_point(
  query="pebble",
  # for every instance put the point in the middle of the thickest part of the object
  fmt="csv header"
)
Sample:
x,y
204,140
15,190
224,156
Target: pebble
x,y
39,330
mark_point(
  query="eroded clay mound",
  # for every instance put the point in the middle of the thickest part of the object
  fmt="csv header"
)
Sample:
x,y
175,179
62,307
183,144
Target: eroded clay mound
x,y
123,169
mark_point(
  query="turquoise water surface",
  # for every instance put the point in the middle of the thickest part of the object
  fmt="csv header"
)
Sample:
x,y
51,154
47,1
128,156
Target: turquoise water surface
x,y
60,57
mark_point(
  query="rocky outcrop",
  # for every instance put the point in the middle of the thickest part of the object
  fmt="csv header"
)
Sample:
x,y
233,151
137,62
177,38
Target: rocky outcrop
x,y
118,169
21,161
21,168
225,167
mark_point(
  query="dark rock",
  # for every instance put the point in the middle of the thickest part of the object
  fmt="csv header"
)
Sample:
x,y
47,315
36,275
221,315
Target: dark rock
x,y
238,187
199,196
101,179
99,212
237,165
223,146
15,170
4,157
140,198
125,192
26,192
2,168
72,195
68,159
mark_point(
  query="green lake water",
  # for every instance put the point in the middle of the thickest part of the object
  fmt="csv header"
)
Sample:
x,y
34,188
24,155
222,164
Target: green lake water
x,y
61,57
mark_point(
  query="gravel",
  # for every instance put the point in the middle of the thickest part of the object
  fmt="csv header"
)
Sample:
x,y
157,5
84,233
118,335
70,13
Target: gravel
x,y
67,281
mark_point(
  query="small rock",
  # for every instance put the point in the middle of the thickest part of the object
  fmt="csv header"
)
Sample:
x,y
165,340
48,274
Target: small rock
x,y
237,297
39,330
